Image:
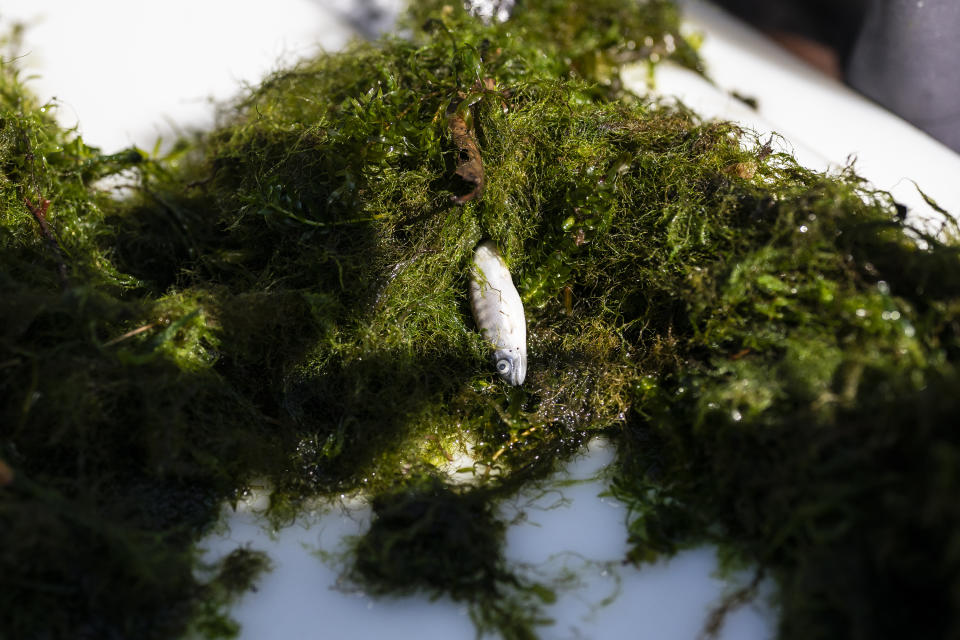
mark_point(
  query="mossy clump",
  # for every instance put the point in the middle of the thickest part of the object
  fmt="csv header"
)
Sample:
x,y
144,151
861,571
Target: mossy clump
x,y
233,576
283,299
812,431
428,536
588,41
101,501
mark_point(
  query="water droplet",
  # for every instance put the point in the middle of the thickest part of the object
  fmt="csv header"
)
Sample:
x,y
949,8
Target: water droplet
x,y
736,415
803,228
861,313
883,287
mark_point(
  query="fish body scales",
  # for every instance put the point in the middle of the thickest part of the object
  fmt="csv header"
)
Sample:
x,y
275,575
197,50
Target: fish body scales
x,y
498,312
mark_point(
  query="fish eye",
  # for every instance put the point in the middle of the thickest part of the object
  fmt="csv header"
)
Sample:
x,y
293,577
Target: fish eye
x,y
503,366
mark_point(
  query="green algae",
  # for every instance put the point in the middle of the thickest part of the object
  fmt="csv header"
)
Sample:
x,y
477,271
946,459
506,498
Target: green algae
x,y
429,537
812,432
284,299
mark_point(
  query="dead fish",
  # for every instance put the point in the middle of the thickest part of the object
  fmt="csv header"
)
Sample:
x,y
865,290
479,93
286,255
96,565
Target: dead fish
x,y
498,312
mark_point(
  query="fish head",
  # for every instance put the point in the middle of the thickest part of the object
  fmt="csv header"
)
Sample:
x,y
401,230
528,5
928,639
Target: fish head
x,y
511,365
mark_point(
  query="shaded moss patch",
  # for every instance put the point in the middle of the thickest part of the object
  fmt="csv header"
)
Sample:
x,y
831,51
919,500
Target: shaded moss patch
x,y
428,536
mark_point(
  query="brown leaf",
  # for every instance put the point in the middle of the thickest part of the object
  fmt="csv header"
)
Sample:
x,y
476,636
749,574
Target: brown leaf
x,y
6,474
469,163
745,170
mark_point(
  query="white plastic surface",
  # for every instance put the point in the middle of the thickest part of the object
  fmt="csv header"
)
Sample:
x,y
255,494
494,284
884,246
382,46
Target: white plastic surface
x,y
567,536
127,72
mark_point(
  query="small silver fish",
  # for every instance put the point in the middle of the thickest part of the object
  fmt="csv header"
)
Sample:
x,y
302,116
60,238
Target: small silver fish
x,y
498,312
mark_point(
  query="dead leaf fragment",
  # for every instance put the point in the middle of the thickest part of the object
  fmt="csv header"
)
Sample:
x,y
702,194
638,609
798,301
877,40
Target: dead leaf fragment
x,y
469,162
6,474
745,170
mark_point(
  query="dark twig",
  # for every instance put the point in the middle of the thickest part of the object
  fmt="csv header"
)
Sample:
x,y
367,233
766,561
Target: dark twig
x,y
130,334
40,215
734,601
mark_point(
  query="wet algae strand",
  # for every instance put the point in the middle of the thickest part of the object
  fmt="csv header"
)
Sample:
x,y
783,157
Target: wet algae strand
x,y
772,350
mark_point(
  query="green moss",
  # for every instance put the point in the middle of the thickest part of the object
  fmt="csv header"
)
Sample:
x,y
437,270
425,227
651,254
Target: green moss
x,y
284,299
428,536
802,432
235,574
